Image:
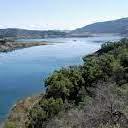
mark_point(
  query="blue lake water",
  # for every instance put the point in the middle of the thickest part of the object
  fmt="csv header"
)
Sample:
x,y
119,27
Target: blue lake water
x,y
22,71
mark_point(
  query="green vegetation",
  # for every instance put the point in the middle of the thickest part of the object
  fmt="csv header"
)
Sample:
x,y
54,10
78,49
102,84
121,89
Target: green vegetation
x,y
10,125
92,95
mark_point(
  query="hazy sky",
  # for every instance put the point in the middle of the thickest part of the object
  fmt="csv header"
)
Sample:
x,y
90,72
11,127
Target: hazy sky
x,y
59,14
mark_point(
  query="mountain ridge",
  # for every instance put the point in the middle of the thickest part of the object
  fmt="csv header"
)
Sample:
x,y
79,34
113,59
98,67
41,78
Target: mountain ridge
x,y
24,33
118,26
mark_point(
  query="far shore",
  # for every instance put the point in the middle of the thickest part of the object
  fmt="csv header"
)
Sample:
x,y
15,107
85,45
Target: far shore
x,y
10,46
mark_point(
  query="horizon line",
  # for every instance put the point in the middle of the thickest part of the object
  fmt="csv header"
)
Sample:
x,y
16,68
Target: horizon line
x,y
23,28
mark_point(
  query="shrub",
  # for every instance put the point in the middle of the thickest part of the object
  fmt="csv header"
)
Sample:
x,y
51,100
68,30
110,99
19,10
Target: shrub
x,y
46,109
10,125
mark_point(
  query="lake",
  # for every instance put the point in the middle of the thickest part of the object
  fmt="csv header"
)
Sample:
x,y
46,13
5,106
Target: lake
x,y
22,71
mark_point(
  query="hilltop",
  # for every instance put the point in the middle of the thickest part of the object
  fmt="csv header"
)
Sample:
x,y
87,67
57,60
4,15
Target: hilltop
x,y
119,26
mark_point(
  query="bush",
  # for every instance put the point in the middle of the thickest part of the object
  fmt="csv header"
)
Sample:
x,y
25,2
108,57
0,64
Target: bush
x,y
65,84
46,109
10,125
91,71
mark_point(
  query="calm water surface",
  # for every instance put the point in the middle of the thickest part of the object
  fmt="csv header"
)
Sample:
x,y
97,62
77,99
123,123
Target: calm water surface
x,y
22,71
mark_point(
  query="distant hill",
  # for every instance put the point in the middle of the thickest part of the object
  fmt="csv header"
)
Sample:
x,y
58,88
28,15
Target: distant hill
x,y
22,33
119,26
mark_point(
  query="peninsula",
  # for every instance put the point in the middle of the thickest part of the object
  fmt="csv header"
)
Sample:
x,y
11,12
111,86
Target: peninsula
x,y
9,45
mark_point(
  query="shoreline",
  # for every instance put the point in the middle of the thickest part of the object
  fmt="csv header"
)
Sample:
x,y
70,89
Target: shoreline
x,y
11,46
21,107
2,125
